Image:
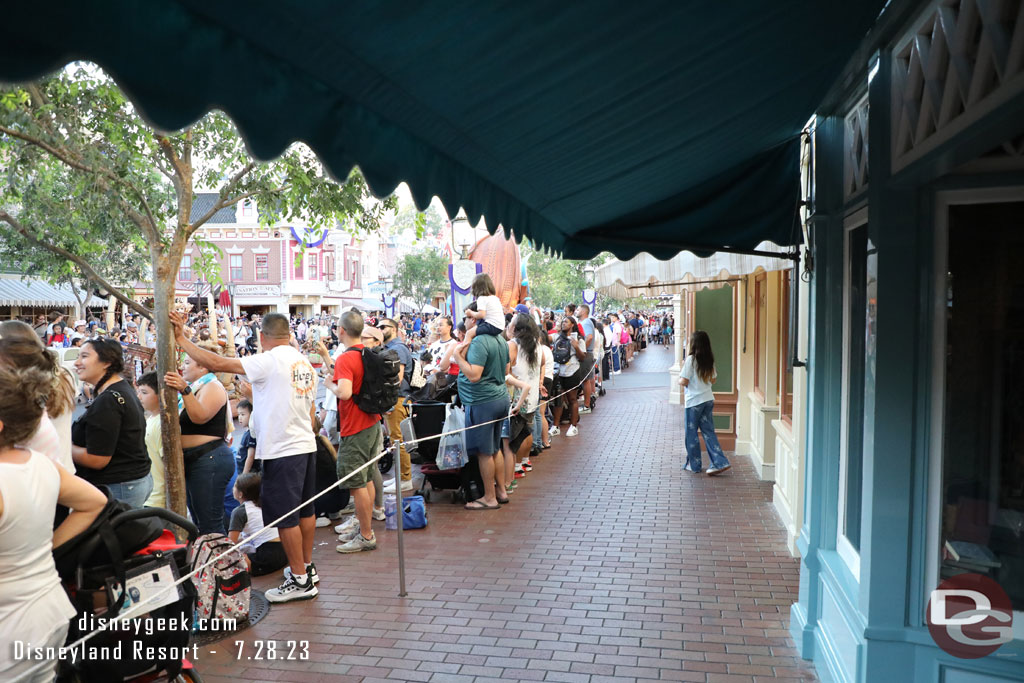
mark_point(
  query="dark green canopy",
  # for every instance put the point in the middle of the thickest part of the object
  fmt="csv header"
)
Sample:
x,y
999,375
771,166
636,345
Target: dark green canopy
x,y
601,124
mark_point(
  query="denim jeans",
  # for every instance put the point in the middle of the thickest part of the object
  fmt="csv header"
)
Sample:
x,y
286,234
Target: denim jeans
x,y
134,492
616,364
699,417
538,439
206,479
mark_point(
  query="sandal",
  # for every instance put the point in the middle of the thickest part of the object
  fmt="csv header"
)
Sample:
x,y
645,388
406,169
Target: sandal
x,y
504,501
477,505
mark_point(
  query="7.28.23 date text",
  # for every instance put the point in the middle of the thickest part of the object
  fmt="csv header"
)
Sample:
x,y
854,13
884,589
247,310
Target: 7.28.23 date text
x,y
271,650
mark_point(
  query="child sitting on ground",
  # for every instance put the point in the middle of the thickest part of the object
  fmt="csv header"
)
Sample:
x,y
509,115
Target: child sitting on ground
x,y
265,554
488,310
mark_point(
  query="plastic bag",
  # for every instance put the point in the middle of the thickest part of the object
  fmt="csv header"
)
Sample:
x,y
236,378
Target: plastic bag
x,y
451,450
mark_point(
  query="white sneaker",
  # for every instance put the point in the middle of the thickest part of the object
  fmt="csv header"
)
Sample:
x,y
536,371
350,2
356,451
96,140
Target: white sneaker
x,y
310,571
616,372
378,514
554,431
322,522
712,471
572,431
292,590
406,486
347,525
358,544
388,482
584,410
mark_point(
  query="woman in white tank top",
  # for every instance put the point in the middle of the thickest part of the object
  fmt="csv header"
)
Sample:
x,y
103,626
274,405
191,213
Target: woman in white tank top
x,y
33,606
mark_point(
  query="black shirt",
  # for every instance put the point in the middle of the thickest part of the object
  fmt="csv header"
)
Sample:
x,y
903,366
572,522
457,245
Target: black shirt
x,y
114,424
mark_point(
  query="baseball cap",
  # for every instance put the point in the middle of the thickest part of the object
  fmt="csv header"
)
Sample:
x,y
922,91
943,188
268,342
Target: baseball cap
x,y
78,322
373,332
131,324
522,308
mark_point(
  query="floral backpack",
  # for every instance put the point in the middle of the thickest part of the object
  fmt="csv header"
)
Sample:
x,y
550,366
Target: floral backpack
x,y
223,587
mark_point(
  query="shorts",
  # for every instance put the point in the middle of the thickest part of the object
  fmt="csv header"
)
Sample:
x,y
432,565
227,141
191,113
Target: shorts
x,y
586,366
356,450
520,429
485,440
287,481
487,328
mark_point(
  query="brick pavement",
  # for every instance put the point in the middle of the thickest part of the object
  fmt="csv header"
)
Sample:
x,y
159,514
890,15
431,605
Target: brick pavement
x,y
610,564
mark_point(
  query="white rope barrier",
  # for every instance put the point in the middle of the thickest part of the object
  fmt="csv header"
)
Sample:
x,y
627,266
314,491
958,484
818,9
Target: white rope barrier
x,y
138,610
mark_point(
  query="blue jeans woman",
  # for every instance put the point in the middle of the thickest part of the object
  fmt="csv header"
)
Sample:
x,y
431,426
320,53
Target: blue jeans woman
x,y
699,418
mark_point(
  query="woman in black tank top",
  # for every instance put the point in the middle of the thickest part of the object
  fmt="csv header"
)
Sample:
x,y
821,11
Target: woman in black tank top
x,y
209,463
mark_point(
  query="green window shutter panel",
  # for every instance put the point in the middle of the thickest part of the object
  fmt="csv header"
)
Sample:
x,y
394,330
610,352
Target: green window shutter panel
x,y
713,314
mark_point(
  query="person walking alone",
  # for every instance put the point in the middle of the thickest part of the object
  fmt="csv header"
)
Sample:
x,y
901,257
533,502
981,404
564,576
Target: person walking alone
x,y
696,378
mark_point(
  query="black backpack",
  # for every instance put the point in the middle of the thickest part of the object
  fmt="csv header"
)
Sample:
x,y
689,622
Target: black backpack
x,y
379,391
562,350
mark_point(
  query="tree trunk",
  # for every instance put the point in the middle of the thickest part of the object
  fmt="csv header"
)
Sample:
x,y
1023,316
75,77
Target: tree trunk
x,y
167,361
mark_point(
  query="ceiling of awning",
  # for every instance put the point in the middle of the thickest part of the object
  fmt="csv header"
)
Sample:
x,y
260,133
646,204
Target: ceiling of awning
x,y
627,126
644,275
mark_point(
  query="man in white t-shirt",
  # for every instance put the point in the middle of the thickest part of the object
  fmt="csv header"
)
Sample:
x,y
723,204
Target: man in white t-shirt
x,y
283,388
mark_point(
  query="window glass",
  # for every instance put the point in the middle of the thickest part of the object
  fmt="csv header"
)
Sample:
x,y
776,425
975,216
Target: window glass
x,y
785,355
862,264
982,489
760,333
298,266
185,269
312,267
236,266
262,269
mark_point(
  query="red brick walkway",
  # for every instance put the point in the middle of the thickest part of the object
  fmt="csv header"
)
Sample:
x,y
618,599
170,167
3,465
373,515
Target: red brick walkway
x,y
610,564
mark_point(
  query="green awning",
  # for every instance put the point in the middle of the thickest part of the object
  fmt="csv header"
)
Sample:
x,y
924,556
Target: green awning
x,y
585,126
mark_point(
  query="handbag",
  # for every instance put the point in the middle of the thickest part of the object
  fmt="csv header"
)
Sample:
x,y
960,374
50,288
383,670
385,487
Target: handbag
x,y
451,450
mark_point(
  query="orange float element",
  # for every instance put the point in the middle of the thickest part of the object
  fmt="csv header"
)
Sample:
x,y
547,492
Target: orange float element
x,y
500,259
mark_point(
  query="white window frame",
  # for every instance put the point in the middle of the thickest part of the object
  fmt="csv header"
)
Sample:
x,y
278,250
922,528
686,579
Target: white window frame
x,y
846,551
933,524
183,267
256,265
231,267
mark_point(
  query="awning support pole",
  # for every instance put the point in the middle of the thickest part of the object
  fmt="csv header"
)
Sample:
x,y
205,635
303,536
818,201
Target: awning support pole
x,y
399,518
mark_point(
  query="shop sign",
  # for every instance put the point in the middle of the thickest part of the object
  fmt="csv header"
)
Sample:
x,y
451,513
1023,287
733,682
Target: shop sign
x,y
257,290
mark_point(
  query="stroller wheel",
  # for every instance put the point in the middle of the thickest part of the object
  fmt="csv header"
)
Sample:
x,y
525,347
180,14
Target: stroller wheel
x,y
593,401
385,463
188,676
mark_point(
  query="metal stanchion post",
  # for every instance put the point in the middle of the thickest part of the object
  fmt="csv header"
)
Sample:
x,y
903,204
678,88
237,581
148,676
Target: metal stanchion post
x,y
399,519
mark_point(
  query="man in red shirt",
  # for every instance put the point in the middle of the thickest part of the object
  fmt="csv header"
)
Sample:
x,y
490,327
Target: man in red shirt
x,y
361,437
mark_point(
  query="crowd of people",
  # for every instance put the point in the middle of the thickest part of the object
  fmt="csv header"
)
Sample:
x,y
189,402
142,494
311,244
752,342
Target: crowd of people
x,y
261,405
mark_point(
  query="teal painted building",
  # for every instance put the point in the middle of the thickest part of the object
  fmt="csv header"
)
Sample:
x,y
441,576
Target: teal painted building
x,y
915,441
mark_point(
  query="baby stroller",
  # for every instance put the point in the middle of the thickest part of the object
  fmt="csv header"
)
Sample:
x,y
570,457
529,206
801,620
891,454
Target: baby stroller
x,y
106,571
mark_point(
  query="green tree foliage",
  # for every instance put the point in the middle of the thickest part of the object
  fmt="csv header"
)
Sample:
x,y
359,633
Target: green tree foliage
x,y
87,178
555,282
420,275
422,223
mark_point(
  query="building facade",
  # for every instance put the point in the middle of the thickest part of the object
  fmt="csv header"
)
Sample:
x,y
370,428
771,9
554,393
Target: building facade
x,y
281,267
914,467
